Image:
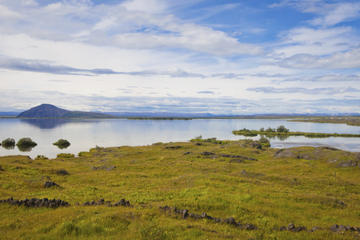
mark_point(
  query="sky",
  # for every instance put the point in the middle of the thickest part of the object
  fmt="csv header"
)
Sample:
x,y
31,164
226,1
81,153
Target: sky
x,y
191,56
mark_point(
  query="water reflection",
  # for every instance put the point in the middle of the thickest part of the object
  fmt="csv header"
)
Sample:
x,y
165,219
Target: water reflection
x,y
45,123
8,147
85,134
25,148
279,137
52,123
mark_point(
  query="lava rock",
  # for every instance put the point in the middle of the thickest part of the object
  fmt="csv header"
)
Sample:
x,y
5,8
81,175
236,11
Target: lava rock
x,y
49,184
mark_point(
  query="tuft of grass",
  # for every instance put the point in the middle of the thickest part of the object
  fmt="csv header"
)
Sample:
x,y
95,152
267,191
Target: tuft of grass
x,y
65,155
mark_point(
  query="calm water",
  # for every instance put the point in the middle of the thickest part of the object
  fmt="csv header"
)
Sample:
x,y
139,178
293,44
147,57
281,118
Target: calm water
x,y
86,134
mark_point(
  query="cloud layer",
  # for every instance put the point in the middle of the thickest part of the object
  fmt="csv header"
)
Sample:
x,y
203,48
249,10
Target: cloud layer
x,y
186,56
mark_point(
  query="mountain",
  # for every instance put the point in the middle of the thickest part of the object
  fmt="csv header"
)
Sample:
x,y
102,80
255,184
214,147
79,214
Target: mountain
x,y
51,111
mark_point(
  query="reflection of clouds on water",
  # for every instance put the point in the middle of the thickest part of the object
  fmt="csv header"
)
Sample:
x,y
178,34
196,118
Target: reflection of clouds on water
x,y
84,134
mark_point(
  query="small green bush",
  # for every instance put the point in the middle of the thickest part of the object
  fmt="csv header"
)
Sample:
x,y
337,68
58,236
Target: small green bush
x,y
8,143
41,157
264,141
282,129
62,143
270,130
25,144
65,155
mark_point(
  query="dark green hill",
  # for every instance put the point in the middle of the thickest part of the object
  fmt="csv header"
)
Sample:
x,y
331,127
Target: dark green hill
x,y
51,111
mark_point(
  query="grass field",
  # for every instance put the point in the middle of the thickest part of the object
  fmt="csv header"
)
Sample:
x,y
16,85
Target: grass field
x,y
349,120
253,133
269,188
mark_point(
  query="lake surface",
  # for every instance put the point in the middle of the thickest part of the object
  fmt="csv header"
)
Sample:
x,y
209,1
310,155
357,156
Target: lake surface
x,y
86,134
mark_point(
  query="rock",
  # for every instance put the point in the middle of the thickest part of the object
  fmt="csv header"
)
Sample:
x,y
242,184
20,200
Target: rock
x,y
207,153
35,202
313,229
110,168
204,215
185,213
249,227
291,226
62,172
239,157
237,161
256,145
230,221
165,208
173,147
122,202
283,228
348,164
49,184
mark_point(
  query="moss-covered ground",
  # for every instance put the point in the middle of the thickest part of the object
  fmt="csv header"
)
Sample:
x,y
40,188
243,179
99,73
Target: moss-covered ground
x,y
267,188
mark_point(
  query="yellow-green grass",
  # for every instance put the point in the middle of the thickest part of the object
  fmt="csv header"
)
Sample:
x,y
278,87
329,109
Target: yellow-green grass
x,y
253,133
349,120
305,188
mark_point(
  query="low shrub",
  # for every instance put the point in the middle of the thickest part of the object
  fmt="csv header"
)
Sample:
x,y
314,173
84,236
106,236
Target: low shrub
x,y
62,143
26,142
264,141
41,157
65,155
8,143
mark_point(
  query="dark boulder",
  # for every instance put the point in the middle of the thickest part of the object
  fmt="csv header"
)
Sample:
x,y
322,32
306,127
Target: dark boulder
x,y
49,184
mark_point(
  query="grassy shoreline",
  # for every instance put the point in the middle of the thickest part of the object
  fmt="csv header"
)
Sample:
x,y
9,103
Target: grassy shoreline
x,y
269,188
352,121
254,133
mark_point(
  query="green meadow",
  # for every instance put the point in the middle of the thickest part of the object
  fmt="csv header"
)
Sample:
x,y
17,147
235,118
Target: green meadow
x,y
269,188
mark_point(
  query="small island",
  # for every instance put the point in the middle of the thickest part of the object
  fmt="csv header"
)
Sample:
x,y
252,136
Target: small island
x,y
282,131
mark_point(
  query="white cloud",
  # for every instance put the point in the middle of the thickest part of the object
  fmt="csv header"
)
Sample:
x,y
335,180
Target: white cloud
x,y
342,60
8,13
338,13
329,13
305,40
147,6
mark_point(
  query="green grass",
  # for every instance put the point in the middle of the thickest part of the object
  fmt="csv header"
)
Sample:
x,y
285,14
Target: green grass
x,y
303,186
253,133
349,120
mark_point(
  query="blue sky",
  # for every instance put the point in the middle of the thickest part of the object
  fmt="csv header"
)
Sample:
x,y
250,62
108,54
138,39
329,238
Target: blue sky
x,y
222,57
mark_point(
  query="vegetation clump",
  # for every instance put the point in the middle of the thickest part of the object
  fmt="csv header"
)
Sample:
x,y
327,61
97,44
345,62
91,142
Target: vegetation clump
x,y
209,140
41,157
282,132
8,143
62,143
282,129
65,155
264,142
26,144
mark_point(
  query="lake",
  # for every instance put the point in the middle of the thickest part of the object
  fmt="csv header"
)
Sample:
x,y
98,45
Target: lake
x,y
86,134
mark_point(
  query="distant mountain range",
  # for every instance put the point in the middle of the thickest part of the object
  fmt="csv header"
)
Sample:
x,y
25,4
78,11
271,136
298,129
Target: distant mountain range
x,y
51,111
